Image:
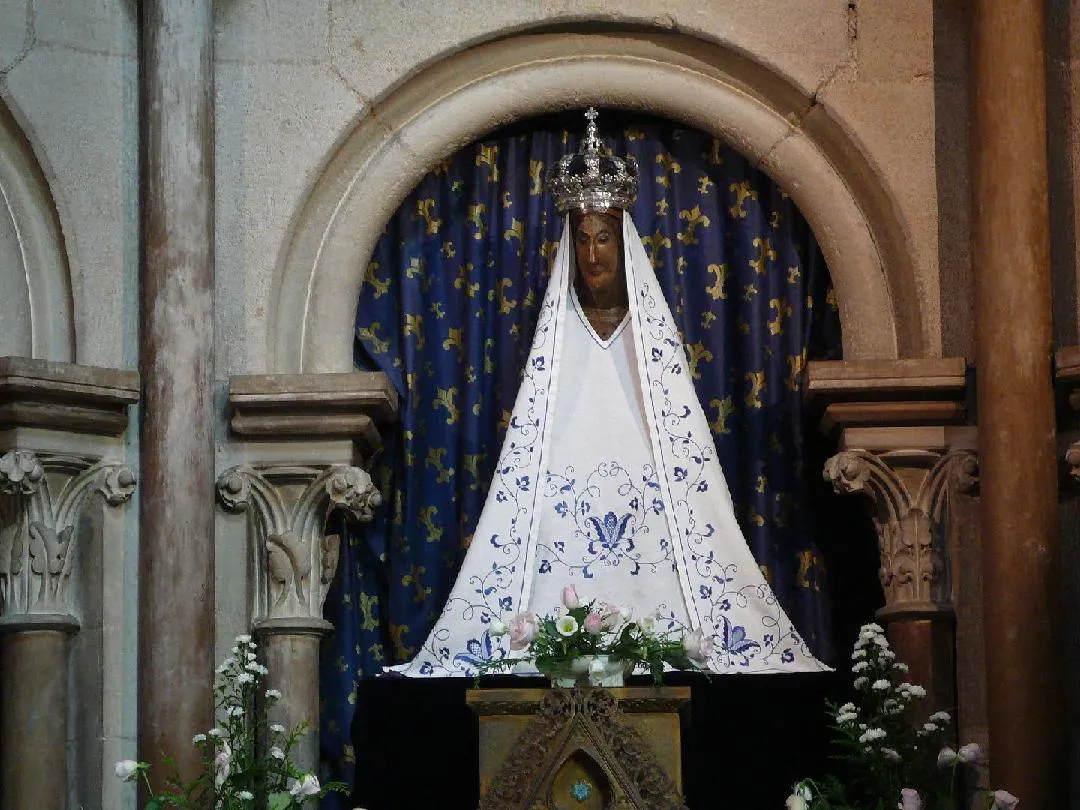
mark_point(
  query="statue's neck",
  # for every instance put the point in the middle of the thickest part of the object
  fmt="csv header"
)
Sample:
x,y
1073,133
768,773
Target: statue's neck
x,y
613,298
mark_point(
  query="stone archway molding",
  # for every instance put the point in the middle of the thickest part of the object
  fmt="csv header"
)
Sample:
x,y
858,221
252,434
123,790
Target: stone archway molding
x,y
461,98
39,302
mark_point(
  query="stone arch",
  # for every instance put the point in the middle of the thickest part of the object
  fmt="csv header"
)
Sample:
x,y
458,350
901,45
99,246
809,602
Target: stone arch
x,y
35,300
461,98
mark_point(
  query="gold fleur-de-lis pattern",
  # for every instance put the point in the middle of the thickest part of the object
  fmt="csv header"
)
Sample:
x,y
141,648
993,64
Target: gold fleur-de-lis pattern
x,y
447,309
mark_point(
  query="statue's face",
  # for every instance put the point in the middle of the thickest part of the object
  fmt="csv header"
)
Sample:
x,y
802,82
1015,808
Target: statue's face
x,y
598,250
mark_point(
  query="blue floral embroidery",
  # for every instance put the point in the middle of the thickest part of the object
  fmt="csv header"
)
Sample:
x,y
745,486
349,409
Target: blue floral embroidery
x,y
610,532
477,651
735,640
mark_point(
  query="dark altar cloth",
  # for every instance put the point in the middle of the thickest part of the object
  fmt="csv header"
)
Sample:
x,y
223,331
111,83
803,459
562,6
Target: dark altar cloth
x,y
746,738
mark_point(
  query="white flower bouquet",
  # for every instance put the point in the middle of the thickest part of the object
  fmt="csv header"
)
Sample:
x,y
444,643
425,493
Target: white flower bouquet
x,y
246,761
589,630
892,763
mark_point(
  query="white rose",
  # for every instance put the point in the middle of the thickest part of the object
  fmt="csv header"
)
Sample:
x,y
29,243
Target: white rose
x,y
305,787
498,629
946,757
222,764
970,754
127,770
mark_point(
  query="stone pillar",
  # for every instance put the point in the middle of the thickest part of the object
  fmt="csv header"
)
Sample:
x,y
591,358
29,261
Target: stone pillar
x,y
910,489
34,710
176,517
900,429
294,562
291,652
1011,257
297,439
42,497
62,584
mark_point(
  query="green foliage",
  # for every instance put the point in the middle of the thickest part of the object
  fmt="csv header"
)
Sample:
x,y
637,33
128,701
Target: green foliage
x,y
592,629
246,760
888,761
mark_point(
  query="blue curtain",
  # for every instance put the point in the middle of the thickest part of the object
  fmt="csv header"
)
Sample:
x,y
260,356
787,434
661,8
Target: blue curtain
x,y
447,310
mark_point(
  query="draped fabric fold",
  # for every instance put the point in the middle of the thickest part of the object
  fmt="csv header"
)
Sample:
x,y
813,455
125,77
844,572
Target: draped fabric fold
x,y
450,301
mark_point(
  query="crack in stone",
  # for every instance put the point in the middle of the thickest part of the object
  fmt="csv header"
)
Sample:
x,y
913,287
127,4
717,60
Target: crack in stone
x,y
796,122
29,39
368,109
365,103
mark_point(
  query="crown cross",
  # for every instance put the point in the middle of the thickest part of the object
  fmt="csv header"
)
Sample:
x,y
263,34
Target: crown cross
x,y
592,140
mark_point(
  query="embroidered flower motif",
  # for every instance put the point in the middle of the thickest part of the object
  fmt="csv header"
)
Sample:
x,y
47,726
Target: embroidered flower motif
x,y
610,532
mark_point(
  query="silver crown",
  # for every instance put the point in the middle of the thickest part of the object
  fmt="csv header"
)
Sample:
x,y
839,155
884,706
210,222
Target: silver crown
x,y
591,181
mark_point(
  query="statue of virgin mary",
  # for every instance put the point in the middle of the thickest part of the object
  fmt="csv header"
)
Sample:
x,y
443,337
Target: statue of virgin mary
x,y
608,477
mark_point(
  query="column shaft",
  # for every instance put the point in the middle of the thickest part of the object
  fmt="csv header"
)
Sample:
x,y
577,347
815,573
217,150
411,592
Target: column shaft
x,y
292,656
1018,471
33,716
176,516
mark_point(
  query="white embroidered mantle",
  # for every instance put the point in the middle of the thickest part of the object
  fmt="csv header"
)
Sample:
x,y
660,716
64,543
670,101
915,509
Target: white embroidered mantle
x,y
608,479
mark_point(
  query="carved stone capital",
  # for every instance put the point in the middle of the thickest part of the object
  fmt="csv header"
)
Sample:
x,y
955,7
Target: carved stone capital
x,y
42,496
910,490
294,560
20,473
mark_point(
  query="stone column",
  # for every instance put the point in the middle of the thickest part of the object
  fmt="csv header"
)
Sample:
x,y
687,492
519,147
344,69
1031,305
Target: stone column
x,y
910,488
296,439
900,428
176,516
62,585
294,562
33,660
33,710
42,496
1021,545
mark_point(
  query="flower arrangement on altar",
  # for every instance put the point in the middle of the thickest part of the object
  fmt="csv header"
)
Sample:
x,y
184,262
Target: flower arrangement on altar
x,y
595,642
246,761
893,763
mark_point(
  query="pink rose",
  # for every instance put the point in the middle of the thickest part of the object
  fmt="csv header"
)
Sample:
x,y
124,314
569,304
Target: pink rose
x,y
1003,800
698,646
523,629
594,624
570,598
610,616
909,799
